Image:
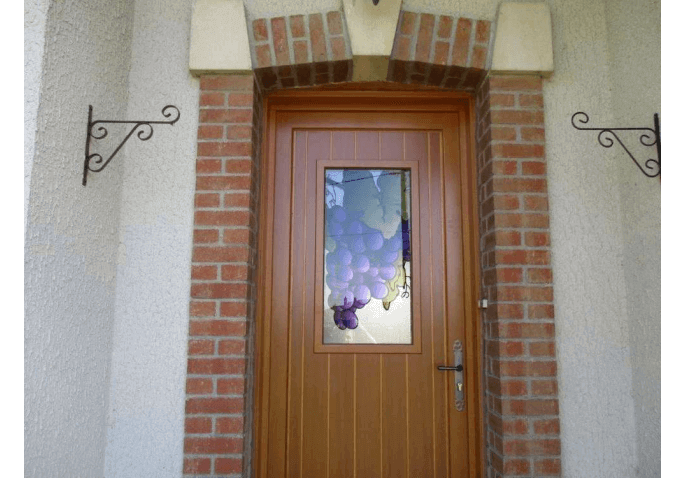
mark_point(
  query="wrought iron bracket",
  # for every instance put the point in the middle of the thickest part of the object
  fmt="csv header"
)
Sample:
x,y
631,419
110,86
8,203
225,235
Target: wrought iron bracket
x,y
95,162
650,137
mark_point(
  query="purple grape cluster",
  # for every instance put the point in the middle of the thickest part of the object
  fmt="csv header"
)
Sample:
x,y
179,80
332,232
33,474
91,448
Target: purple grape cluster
x,y
359,265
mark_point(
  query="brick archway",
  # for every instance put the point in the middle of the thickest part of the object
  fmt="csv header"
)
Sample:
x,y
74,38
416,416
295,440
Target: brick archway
x,y
521,416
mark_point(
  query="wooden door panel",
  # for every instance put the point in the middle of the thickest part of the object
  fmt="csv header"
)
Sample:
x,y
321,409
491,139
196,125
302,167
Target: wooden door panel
x,y
361,414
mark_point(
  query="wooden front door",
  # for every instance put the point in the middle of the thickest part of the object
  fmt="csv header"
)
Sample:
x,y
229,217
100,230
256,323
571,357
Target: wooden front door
x,y
373,409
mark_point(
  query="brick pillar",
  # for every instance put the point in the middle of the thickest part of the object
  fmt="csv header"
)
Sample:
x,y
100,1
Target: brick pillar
x,y
222,289
522,416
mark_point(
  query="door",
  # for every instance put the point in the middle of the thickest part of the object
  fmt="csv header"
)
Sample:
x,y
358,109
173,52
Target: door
x,y
367,286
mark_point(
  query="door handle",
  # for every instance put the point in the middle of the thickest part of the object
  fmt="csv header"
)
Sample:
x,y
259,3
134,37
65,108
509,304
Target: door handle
x,y
459,378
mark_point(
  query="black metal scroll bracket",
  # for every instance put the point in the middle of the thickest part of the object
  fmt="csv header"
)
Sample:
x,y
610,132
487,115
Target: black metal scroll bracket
x,y
651,167
95,162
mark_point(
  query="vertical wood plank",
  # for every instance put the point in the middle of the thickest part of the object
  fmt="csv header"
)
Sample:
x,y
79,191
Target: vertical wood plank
x,y
315,403
368,417
394,415
342,416
425,400
295,379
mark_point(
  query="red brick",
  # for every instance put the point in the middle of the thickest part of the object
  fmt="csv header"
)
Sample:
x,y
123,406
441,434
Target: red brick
x,y
297,26
237,199
199,386
548,467
532,447
233,309
228,465
533,134
300,51
522,256
221,254
510,150
226,116
200,347
509,311
516,117
238,132
210,445
198,425
205,236
232,347
503,133
543,387
547,427
197,466
542,349
206,200
528,101
530,407
441,49
210,132
264,56
532,221
225,149
507,238
516,467
280,41
534,168
338,48
483,31
502,100
222,183
513,83
479,57
445,26
238,166
230,386
402,51
240,99
204,272
525,294
540,311
222,218
259,28
227,82
208,166
461,44
237,236
317,37
504,202
229,424
216,366
536,203
234,272
515,427
219,291
334,22
519,330
424,37
507,168
540,276
202,309
200,328
507,185
407,23
214,98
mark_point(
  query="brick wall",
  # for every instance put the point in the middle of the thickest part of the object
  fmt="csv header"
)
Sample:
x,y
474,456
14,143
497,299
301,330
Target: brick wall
x,y
301,50
522,414
440,50
219,384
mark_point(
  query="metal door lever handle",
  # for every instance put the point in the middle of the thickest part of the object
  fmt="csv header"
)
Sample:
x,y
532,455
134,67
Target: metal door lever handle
x,y
459,379
457,368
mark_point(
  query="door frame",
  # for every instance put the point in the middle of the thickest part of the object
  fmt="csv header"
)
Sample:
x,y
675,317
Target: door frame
x,y
362,99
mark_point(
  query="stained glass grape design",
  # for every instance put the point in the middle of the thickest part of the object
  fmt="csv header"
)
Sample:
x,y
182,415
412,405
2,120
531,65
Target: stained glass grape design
x,y
367,240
